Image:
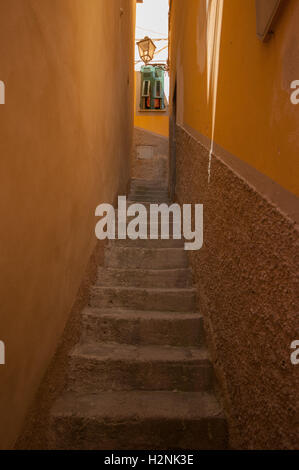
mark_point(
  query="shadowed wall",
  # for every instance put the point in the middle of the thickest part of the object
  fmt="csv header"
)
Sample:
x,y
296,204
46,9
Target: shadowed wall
x,y
66,134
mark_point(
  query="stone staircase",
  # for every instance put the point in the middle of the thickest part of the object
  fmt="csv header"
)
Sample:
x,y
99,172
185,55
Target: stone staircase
x,y
141,377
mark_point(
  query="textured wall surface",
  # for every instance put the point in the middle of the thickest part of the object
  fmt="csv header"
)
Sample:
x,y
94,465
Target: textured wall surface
x,y
246,274
66,134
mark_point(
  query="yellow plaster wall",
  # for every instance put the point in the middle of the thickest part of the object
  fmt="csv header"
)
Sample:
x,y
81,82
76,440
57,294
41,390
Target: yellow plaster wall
x,y
254,117
66,133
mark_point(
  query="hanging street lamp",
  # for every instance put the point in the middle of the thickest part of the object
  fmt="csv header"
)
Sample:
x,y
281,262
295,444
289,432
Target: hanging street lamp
x,y
146,49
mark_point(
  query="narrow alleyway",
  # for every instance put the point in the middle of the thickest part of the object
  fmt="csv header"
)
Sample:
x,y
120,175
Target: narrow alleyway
x,y
144,344
141,376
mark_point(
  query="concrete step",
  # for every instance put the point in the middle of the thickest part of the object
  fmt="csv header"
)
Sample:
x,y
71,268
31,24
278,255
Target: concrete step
x,y
142,327
148,190
148,244
121,257
147,231
151,278
123,215
152,199
145,203
137,420
120,367
173,300
148,184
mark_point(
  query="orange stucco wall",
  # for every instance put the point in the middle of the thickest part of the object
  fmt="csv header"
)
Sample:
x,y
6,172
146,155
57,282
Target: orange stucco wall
x,y
159,123
254,117
66,133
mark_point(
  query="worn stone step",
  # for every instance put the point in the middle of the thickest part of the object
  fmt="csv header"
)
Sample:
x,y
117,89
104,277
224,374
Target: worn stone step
x,y
148,229
148,202
150,190
179,277
153,231
148,244
173,300
122,215
148,181
152,199
142,327
145,203
113,366
148,184
137,420
125,257
157,225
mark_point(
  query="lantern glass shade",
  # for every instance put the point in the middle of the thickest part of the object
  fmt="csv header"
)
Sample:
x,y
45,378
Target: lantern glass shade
x,y
146,49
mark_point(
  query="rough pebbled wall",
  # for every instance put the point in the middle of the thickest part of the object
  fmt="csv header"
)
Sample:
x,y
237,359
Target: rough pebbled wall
x,y
246,274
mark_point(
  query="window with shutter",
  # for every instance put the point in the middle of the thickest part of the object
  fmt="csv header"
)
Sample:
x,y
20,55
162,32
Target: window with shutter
x,y
146,88
158,89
